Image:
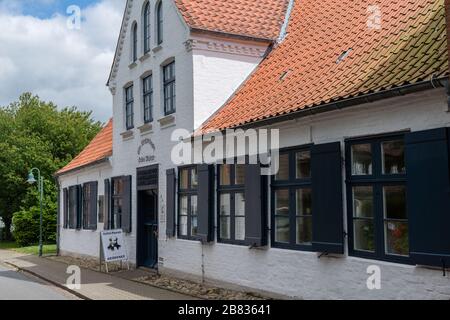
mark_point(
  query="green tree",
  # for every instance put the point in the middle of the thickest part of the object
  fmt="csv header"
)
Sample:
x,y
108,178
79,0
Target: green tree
x,y
34,133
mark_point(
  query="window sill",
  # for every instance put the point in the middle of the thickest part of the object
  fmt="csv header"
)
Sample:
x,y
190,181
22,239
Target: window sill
x,y
132,65
144,57
167,121
157,48
146,129
127,135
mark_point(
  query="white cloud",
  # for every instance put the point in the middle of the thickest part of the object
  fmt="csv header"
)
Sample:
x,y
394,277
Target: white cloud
x,y
68,67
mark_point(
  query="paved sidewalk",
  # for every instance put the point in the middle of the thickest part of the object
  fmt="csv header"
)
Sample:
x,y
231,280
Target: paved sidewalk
x,y
95,285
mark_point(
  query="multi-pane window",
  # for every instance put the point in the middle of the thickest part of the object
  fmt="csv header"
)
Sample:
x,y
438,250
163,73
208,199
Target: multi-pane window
x,y
73,203
117,203
159,21
377,191
169,88
231,203
129,105
148,99
292,200
89,206
147,31
134,44
188,202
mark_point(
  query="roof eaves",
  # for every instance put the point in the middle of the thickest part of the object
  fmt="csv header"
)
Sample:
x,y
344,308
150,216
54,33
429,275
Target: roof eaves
x,y
93,163
354,100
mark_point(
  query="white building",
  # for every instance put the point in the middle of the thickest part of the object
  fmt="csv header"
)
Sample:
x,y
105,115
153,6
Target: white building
x,y
363,181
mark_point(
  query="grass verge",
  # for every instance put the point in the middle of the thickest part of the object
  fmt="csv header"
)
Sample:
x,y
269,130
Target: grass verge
x,y
47,249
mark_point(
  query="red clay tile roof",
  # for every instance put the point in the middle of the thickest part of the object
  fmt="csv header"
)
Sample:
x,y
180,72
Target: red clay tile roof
x,y
303,71
100,148
252,18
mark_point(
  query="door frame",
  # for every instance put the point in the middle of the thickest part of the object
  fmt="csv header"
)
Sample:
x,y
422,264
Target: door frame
x,y
143,184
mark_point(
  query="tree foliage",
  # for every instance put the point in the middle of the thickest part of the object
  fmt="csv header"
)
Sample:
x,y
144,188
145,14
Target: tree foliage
x,y
35,133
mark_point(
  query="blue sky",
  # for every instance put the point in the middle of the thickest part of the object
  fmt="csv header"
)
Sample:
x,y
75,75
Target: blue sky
x,y
41,10
64,65
45,9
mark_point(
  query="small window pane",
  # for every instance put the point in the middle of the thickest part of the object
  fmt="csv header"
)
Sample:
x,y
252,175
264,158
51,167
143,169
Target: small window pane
x,y
362,159
282,202
194,212
183,223
225,170
397,240
364,235
282,229
184,179
363,202
283,171
303,163
225,228
117,187
393,157
194,178
239,206
240,174
304,202
225,200
395,202
194,205
304,230
183,228
240,228
194,226
184,205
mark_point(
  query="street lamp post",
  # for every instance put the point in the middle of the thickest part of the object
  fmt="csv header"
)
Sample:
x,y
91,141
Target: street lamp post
x,y
40,181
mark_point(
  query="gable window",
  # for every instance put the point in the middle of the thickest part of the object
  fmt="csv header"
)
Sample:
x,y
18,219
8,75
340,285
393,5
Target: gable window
x,y
188,201
159,22
292,201
231,203
148,99
90,206
134,45
147,32
169,88
376,189
129,105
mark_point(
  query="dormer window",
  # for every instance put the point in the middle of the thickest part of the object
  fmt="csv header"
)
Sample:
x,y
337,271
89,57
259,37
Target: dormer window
x,y
134,43
159,22
147,27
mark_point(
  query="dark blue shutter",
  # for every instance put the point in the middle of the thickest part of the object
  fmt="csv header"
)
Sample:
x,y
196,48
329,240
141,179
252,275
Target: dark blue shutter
x,y
107,205
255,206
65,208
170,202
428,196
92,224
79,206
72,214
205,203
126,205
327,203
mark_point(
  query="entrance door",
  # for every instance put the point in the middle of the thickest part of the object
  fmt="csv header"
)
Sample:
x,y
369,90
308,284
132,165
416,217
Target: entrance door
x,y
148,227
